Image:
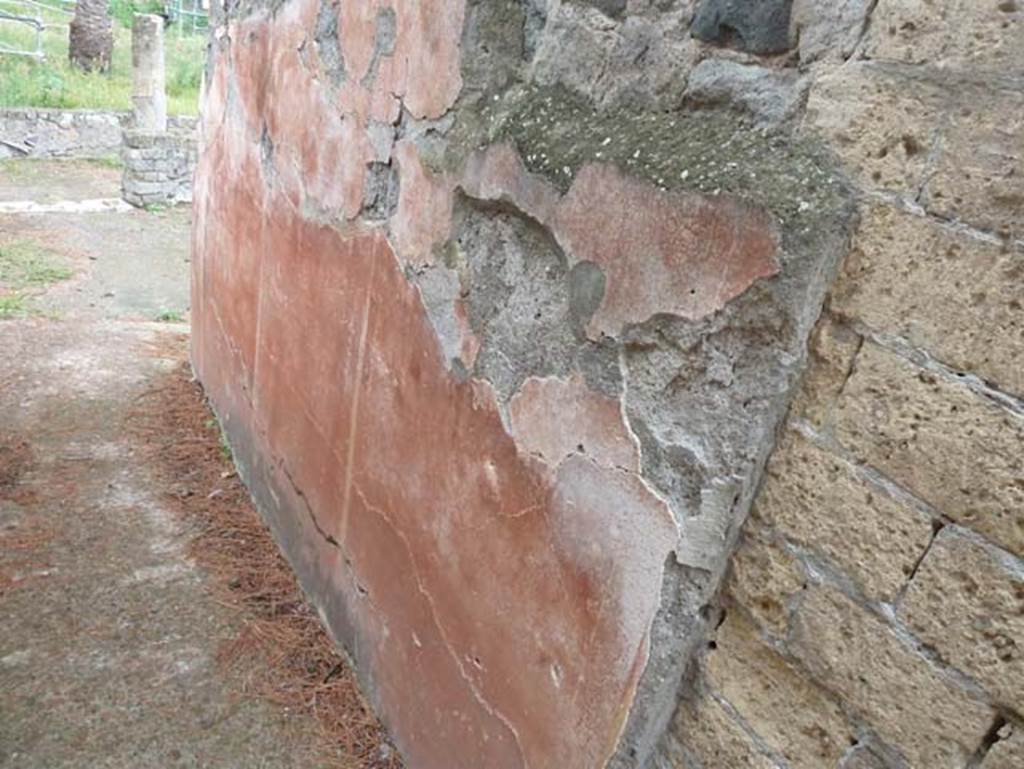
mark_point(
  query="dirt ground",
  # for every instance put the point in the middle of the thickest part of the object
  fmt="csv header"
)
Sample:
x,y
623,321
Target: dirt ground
x,y
43,181
133,631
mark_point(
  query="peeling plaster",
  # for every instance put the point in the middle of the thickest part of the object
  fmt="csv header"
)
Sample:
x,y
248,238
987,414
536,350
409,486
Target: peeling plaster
x,y
503,394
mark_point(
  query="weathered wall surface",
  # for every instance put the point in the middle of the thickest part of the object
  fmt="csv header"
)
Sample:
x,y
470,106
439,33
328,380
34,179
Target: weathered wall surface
x,y
502,304
874,613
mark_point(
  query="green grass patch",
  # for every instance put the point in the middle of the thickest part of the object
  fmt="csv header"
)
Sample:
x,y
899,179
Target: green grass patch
x,y
170,316
225,447
17,169
54,83
105,161
26,269
13,306
123,10
24,264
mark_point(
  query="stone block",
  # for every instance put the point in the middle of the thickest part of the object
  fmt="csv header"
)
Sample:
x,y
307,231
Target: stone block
x,y
769,95
139,139
912,705
760,27
142,188
828,29
710,734
831,351
966,601
951,447
764,578
816,500
949,33
641,60
783,706
880,122
955,296
979,176
1008,751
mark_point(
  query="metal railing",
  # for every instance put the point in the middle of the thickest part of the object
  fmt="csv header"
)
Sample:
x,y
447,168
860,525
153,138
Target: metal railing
x,y
189,15
33,22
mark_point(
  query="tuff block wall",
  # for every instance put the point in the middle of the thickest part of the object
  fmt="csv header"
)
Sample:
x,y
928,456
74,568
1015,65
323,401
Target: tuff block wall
x,y
874,612
502,304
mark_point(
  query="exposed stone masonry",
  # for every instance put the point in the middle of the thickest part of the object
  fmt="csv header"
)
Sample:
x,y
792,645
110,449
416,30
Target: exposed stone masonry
x,y
503,306
55,133
874,612
158,164
158,167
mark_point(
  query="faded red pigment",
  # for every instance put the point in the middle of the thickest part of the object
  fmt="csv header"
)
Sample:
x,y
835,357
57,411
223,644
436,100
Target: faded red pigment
x,y
495,589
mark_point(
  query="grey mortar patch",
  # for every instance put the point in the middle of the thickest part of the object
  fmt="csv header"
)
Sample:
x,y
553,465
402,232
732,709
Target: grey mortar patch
x,y
517,295
674,469
524,304
756,26
380,192
677,634
440,287
267,152
598,362
328,45
429,136
384,35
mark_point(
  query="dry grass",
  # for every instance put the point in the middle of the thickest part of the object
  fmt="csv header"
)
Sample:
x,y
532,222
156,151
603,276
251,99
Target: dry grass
x,y
282,652
23,542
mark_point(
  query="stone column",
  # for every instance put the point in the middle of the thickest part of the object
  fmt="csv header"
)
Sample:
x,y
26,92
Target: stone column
x,y
148,98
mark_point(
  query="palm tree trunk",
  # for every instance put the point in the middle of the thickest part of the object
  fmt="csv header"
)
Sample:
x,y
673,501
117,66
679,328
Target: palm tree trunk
x,y
91,37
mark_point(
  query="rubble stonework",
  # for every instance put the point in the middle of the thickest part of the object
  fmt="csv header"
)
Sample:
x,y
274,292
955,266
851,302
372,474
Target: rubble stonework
x,y
56,133
158,167
502,305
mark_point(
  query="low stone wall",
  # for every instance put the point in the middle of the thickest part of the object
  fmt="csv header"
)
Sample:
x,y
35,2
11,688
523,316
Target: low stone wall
x,y
59,133
56,133
158,167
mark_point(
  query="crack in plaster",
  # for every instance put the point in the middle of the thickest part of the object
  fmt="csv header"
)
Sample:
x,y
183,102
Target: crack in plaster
x,y
354,411
477,695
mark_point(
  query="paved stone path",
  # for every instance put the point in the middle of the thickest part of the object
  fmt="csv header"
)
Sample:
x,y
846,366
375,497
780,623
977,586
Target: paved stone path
x,y
107,632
